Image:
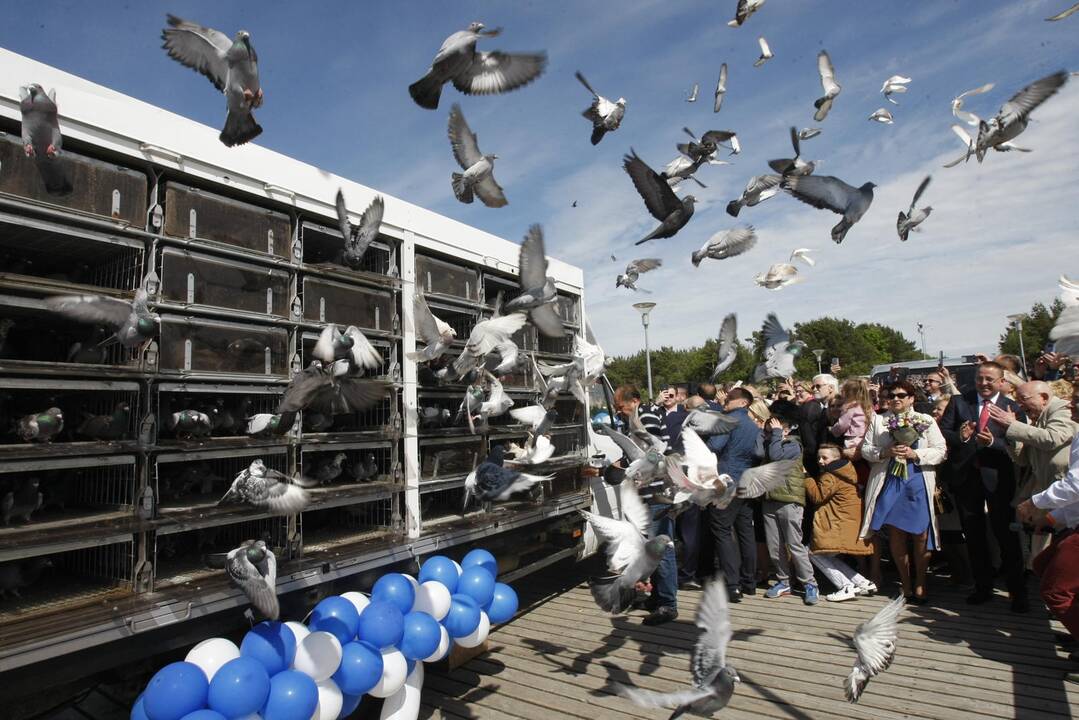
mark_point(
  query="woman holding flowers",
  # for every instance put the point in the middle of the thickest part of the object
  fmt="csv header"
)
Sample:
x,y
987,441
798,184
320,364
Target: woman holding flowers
x,y
904,448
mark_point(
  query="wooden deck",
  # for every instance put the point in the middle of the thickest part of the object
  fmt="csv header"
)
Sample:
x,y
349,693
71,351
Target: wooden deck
x,y
560,658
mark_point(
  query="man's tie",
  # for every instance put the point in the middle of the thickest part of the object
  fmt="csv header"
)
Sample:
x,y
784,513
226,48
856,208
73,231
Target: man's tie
x,y
983,418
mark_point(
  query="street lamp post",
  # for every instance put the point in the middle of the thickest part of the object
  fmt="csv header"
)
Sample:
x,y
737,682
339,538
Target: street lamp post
x,y
644,308
819,353
1018,319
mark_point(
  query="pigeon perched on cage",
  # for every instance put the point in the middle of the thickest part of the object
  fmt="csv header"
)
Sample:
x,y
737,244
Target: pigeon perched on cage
x,y
434,332
351,345
189,424
19,574
329,469
538,292
874,641
605,115
472,72
41,137
252,568
490,481
107,427
131,323
264,425
632,556
42,426
358,237
23,501
329,390
232,67
478,176
366,469
265,488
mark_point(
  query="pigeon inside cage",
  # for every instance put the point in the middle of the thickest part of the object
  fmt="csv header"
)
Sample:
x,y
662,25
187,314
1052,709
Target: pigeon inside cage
x,y
346,467
41,496
182,557
30,415
323,245
202,482
196,415
62,580
39,336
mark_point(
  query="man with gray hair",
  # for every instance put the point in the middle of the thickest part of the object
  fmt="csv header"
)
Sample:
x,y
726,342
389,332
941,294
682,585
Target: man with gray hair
x,y
813,420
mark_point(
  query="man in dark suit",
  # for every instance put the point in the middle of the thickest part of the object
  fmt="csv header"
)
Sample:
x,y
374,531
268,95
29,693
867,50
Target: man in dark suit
x,y
813,421
982,473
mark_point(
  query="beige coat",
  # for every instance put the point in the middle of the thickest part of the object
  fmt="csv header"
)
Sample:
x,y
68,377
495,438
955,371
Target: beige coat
x,y
931,452
838,516
1045,445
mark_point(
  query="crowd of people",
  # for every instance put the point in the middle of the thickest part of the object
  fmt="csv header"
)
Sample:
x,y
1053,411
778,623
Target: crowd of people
x,y
982,480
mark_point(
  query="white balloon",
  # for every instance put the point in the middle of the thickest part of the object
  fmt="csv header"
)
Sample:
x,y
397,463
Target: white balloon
x,y
433,598
414,581
443,647
477,636
458,566
299,630
318,656
394,672
358,599
211,654
405,703
329,701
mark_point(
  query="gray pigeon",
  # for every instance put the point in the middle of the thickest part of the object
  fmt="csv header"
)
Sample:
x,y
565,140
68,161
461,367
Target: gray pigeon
x,y
478,176
107,427
744,10
758,189
795,165
366,469
808,133
882,116
605,115
779,351
643,451
490,481
475,73
190,424
505,359
538,292
713,679
351,346
825,192
485,338
828,84
1014,115
913,217
1064,13
726,345
22,501
232,67
721,88
329,469
358,238
634,270
632,556
41,137
40,427
497,403
436,333
874,641
265,425
131,323
267,489
329,390
659,199
707,422
708,144
252,567
727,244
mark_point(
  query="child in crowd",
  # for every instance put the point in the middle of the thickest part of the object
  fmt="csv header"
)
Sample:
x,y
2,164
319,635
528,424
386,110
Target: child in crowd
x,y
857,408
836,523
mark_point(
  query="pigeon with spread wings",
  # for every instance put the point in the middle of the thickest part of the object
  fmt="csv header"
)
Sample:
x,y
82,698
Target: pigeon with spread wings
x,y
913,217
726,244
605,115
478,176
825,192
634,270
358,238
659,199
436,333
779,351
828,84
874,641
538,292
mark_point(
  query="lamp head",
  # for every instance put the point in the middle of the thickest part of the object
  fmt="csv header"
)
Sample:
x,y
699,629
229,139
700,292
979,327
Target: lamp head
x,y
644,308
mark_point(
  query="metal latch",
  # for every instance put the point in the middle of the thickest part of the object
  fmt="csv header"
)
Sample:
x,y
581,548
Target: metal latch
x,y
269,360
269,241
297,307
115,203
322,309
157,216
269,301
378,324
190,288
192,223
187,353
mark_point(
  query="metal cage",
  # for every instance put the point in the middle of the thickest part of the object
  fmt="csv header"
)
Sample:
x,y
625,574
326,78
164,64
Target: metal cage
x,y
187,485
196,281
322,248
228,406
323,530
179,558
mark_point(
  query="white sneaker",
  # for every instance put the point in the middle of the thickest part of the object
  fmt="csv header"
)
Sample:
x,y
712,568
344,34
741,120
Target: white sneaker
x,y
845,593
867,589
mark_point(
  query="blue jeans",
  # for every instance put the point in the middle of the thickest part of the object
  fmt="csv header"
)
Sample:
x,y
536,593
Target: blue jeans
x,y
665,577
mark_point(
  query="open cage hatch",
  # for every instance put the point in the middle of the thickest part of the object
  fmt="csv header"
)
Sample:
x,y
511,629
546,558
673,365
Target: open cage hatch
x,y
189,484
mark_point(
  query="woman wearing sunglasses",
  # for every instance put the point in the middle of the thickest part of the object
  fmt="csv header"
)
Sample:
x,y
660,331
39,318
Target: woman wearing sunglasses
x,y
904,447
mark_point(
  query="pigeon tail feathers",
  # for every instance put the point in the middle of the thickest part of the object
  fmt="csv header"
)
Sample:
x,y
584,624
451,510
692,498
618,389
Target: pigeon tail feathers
x,y
239,129
426,92
462,189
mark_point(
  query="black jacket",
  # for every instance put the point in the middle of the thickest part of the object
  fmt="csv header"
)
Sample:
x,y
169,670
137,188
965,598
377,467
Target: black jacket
x,y
969,461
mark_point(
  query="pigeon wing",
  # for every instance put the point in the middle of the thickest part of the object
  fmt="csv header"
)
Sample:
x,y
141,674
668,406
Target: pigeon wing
x,y
764,479
624,543
634,511
360,395
921,189
200,48
532,260
651,699
465,145
363,352
643,265
823,192
487,334
91,309
710,422
697,453
628,447
370,222
774,332
498,72
282,498
827,74
1023,102
304,389
532,415
713,617
658,196
547,321
342,217
721,87
490,192
426,327
874,640
580,79
727,350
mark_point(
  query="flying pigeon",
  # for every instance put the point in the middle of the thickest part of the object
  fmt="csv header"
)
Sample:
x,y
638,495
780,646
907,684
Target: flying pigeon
x,y
957,105
692,97
779,351
707,145
491,481
874,641
267,489
726,244
700,481
497,403
475,73
358,237
767,477
721,87
1014,115
828,83
744,10
808,133
795,165
436,333
505,359
894,84
539,419
779,275
1064,13
189,424
605,115
969,144
40,427
643,451
478,176
22,501
758,189
682,168
252,568
634,270
658,197
912,218
1065,333
825,192
351,345
329,390
41,137
131,323
485,337
538,450
631,555
766,52
106,427
726,345
232,67
883,116
538,291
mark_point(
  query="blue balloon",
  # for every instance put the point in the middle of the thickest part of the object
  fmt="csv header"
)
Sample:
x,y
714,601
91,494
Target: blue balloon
x,y
409,665
137,711
395,588
463,617
442,569
381,624
503,605
272,643
204,715
293,696
349,705
360,668
478,584
420,637
240,687
337,616
176,690
483,558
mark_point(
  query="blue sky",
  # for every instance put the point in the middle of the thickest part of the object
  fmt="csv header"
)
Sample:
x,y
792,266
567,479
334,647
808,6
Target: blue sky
x,y
336,96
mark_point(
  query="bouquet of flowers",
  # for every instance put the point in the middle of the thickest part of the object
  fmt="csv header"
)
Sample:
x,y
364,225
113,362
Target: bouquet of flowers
x,y
905,429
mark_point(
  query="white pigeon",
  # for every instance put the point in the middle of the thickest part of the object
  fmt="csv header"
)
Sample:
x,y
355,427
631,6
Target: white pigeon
x,y
351,345
726,244
874,641
828,84
779,275
913,217
604,114
957,105
1065,333
434,332
478,176
252,567
779,351
726,345
487,334
497,403
509,357
683,168
883,116
803,255
721,88
744,10
539,449
894,84
692,97
766,52
701,482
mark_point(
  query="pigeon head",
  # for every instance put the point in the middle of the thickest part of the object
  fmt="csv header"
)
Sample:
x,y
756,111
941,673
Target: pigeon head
x,y
868,186
621,102
658,545
927,209
796,347
146,327
475,26
490,157
730,674
256,552
689,199
257,467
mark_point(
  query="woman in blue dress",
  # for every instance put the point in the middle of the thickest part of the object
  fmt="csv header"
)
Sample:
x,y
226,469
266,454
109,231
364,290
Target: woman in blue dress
x,y
902,482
